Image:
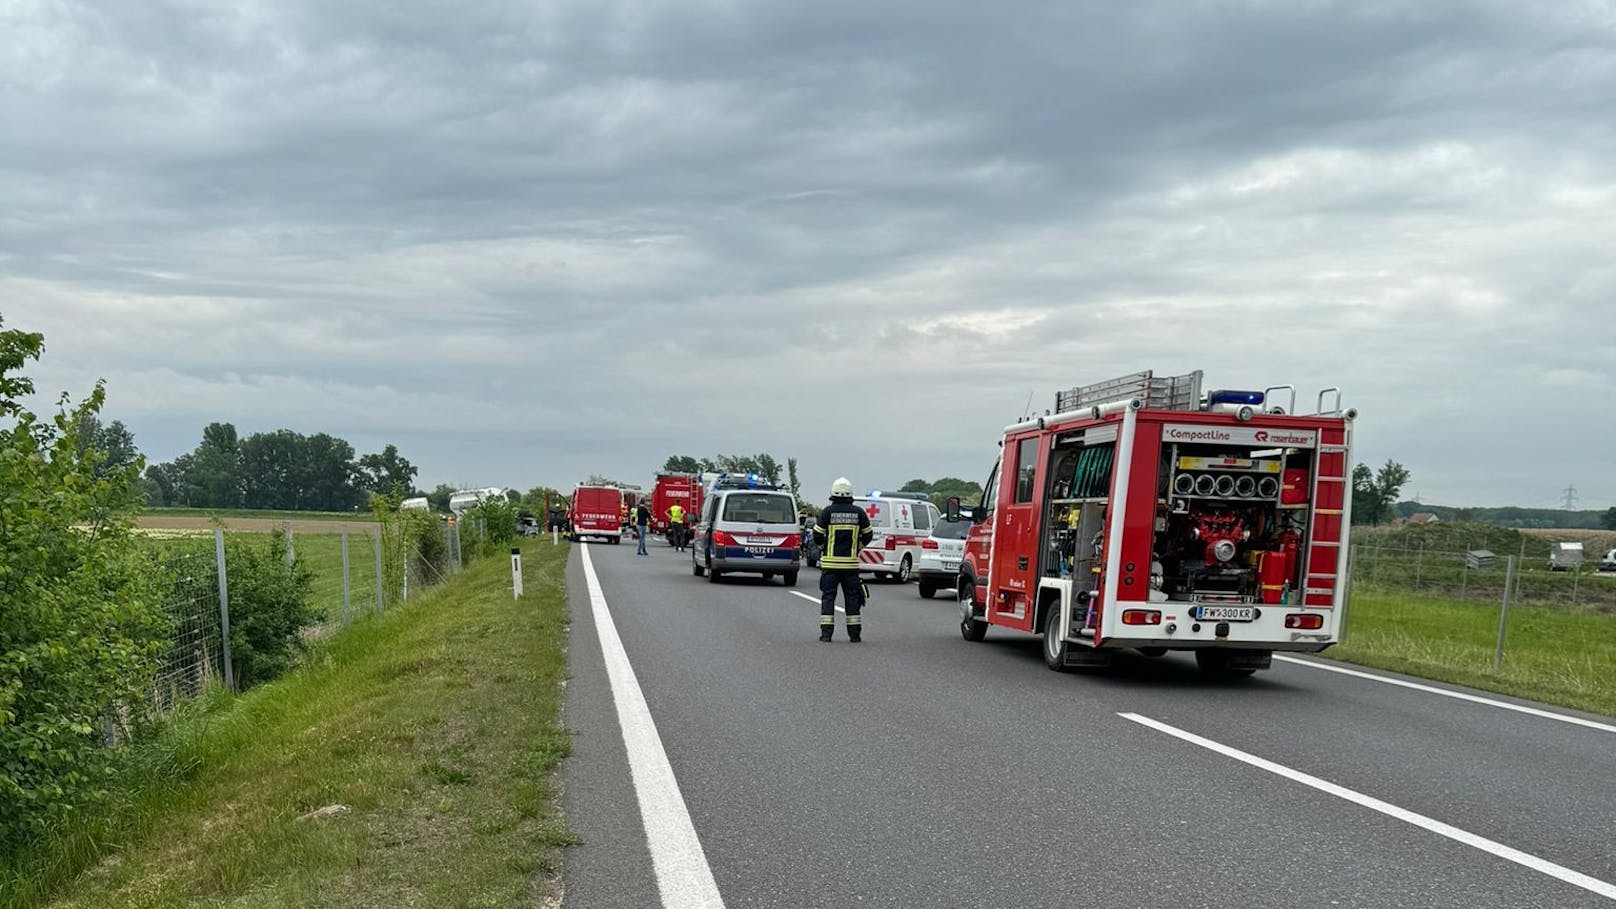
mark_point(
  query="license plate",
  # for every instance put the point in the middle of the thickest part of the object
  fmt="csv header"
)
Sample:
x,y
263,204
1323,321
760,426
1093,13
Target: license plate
x,y
950,566
1226,613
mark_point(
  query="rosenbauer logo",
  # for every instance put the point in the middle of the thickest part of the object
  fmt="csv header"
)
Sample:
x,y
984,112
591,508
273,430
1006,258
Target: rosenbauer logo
x,y
1283,438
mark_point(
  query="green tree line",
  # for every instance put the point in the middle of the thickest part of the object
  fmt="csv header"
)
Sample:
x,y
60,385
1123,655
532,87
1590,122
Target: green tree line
x,y
1514,516
283,470
941,490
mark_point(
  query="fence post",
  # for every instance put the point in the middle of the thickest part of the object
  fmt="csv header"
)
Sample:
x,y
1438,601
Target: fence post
x,y
291,555
1419,565
346,615
224,607
1346,595
1503,614
1576,580
1520,569
376,540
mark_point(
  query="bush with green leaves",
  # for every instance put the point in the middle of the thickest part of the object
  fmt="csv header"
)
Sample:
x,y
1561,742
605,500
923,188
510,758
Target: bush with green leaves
x,y
81,620
270,604
492,524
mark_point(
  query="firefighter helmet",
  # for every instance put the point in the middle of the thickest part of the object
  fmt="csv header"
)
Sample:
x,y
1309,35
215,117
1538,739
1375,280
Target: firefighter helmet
x,y
841,489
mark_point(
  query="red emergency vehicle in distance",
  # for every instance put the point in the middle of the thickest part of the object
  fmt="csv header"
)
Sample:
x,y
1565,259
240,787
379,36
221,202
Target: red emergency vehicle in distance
x,y
1146,515
597,512
682,489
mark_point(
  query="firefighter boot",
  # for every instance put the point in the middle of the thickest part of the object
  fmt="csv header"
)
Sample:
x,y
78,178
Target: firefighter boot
x,y
825,631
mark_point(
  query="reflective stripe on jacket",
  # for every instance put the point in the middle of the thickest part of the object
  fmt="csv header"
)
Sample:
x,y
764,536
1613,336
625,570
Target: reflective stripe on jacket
x,y
843,529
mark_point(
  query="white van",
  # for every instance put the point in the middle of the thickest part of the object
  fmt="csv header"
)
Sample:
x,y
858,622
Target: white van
x,y
900,522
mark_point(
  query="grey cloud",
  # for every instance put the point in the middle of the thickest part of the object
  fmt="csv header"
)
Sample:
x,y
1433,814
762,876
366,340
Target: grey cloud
x,y
536,241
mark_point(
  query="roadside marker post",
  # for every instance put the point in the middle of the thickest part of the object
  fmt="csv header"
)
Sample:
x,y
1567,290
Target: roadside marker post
x,y
516,573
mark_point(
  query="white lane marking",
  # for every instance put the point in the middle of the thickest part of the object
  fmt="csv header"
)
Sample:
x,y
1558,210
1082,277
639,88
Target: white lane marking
x,y
1525,859
684,878
1459,695
814,600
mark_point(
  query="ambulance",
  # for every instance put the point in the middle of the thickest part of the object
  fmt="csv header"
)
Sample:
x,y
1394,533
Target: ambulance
x,y
901,523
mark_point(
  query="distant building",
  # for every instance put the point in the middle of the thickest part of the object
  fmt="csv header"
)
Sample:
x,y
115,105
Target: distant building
x,y
1423,517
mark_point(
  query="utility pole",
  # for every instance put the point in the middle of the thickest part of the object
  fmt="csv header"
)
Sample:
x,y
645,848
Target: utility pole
x,y
1570,498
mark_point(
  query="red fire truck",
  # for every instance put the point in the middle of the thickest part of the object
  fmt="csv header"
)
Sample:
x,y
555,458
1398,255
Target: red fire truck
x,y
1145,514
597,512
682,489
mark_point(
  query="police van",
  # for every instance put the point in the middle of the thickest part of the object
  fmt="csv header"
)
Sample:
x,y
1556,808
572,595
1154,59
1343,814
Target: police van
x,y
746,526
900,522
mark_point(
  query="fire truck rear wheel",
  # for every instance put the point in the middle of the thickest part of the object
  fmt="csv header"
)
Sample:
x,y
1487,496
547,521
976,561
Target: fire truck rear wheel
x,y
1054,642
971,627
1215,662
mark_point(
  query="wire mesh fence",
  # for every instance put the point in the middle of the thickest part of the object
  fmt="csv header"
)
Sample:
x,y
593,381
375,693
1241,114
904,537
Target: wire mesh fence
x,y
1480,575
354,571
194,656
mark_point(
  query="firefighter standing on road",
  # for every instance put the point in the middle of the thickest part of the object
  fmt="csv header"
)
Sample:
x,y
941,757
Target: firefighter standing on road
x,y
843,529
676,526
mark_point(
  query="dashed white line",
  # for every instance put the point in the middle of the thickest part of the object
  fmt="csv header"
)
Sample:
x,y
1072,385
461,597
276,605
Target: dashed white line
x,y
814,600
1525,859
1447,693
684,878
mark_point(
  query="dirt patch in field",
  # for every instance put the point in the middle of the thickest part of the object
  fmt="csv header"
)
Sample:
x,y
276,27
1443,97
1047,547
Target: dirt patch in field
x,y
253,525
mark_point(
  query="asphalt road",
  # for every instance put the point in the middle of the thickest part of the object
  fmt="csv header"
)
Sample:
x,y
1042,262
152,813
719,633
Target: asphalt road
x,y
917,769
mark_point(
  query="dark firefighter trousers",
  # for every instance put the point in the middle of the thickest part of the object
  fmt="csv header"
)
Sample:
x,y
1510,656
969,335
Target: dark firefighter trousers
x,y
852,596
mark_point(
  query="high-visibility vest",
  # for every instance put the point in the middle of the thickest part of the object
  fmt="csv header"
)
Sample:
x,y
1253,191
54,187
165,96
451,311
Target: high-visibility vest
x,y
676,514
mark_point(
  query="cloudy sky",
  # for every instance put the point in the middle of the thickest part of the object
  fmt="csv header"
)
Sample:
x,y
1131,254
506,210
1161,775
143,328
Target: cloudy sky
x,y
530,241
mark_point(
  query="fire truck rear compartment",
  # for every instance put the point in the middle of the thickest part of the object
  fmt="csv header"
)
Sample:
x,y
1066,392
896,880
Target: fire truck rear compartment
x,y
1229,524
1228,529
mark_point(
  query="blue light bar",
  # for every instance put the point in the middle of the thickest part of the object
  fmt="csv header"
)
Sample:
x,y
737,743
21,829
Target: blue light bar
x,y
1226,396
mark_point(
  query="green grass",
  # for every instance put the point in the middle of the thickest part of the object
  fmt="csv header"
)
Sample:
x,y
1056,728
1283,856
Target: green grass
x,y
435,724
264,514
1556,655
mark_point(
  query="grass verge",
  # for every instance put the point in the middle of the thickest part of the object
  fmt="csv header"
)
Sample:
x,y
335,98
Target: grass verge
x,y
1556,655
436,729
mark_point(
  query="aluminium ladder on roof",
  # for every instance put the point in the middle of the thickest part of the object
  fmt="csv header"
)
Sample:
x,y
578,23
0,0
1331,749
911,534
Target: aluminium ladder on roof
x,y
1156,392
